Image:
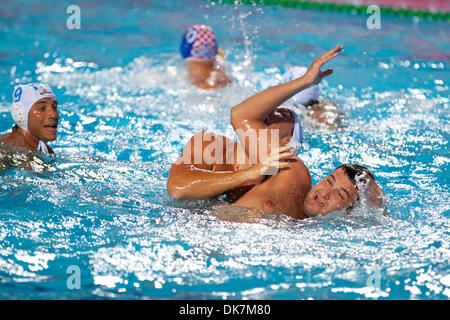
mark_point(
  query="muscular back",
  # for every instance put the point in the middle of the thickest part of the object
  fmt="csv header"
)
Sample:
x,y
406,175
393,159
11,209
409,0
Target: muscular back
x,y
204,155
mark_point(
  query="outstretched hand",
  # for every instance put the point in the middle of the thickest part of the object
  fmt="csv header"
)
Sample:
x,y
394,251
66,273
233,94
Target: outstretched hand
x,y
314,75
275,160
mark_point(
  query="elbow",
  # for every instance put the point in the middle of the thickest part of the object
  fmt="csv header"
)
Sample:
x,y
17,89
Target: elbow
x,y
234,117
182,191
177,195
175,192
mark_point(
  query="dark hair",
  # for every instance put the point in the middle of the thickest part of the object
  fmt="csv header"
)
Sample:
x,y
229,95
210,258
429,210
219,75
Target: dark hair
x,y
311,103
279,114
352,170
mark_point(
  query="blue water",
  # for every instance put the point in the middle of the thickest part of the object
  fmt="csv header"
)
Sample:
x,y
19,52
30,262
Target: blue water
x,y
127,110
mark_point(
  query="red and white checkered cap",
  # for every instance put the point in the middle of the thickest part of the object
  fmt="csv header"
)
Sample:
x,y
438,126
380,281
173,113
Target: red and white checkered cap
x,y
205,46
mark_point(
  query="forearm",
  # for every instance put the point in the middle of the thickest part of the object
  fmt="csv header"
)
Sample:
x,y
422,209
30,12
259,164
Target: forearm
x,y
199,184
257,106
247,118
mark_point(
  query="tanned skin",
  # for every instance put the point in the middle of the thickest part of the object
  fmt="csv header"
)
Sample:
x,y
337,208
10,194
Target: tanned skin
x,y
43,121
284,192
208,75
288,191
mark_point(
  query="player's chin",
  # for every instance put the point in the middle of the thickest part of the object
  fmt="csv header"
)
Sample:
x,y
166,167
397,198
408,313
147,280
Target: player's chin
x,y
309,208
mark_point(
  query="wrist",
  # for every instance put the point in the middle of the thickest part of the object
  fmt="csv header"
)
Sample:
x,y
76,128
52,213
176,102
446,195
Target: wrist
x,y
303,83
253,174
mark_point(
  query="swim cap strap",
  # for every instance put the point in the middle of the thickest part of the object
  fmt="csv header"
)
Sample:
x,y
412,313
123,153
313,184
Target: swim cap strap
x,y
297,135
42,147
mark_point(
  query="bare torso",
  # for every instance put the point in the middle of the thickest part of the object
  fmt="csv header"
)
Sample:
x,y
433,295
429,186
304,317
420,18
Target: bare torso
x,y
206,75
15,140
282,193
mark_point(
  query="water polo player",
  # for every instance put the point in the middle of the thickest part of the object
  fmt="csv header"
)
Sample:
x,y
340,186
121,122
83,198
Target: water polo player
x,y
288,190
35,112
204,60
212,164
320,111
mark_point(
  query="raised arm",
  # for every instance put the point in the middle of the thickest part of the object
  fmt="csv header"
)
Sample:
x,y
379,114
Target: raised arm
x,y
250,113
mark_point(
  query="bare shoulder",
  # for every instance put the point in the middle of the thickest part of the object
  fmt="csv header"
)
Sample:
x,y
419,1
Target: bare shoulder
x,y
296,174
198,143
14,140
5,138
295,177
239,214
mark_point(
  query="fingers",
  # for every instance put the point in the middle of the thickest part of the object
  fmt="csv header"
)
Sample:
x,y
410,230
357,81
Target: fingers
x,y
280,153
285,155
278,158
273,167
282,149
278,150
283,165
330,54
336,49
220,52
333,52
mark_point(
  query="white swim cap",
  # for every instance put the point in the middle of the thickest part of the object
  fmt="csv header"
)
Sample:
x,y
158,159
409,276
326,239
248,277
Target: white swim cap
x,y
297,135
304,96
24,96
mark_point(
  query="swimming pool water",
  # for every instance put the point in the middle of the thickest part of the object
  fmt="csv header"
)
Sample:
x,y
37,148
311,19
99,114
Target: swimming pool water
x,y
126,112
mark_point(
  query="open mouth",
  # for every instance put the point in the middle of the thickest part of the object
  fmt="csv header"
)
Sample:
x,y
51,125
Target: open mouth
x,y
51,127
